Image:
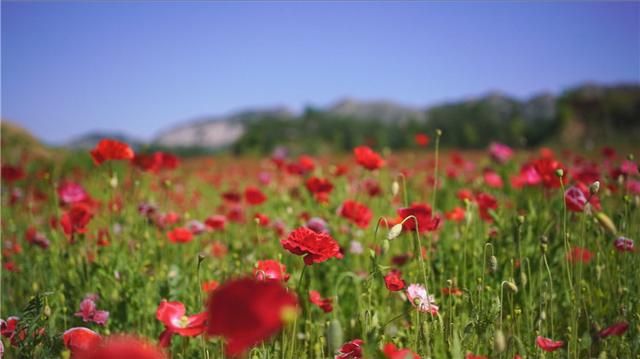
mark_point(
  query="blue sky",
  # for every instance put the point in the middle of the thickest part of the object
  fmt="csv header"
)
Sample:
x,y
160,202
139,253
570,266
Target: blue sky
x,y
140,67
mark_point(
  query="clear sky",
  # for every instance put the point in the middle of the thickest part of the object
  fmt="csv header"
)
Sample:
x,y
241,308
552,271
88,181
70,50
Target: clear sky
x,y
140,67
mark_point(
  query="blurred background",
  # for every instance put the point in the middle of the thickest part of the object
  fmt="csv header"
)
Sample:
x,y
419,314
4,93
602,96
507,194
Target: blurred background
x,y
247,77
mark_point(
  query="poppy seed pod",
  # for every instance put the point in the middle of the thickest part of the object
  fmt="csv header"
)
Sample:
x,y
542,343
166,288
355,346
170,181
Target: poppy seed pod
x,y
560,172
438,132
334,335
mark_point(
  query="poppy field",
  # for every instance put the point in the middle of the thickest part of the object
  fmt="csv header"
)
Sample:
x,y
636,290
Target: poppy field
x,y
432,253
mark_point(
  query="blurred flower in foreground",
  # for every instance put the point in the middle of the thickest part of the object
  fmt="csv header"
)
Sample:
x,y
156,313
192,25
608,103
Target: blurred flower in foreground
x,y
108,149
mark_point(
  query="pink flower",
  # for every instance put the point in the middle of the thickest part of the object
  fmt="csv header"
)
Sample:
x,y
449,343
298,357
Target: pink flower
x,y
499,152
419,298
88,311
492,179
548,345
71,192
575,199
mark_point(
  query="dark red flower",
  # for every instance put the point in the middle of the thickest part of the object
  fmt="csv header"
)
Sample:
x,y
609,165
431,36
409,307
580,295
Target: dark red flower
x,y
548,345
316,247
623,244
216,222
390,351
12,173
36,238
426,220
8,327
75,219
326,304
231,196
319,187
393,281
180,235
486,202
120,347
615,329
172,315
80,340
356,212
367,158
254,196
108,149
270,270
351,350
247,311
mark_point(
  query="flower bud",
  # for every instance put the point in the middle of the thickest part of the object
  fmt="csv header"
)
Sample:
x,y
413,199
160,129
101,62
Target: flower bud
x,y
512,286
334,335
499,342
395,188
606,222
438,132
394,231
560,172
493,264
594,187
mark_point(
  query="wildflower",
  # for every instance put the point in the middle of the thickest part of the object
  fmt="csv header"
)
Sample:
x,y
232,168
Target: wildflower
x,y
390,351
422,212
492,179
486,202
180,235
548,345
254,196
623,244
318,225
71,192
616,329
499,152
418,297
367,158
80,340
316,247
320,188
393,281
246,312
172,315
356,212
215,222
208,286
575,199
108,149
578,254
351,350
421,139
89,313
326,304
270,270
75,219
123,347
36,238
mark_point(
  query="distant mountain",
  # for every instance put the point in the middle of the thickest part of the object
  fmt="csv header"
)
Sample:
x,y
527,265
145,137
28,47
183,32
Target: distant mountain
x,y
216,132
91,139
385,111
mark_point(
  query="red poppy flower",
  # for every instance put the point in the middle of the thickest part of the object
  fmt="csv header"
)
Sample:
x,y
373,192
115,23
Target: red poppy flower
x,y
548,345
270,269
451,291
456,214
180,235
209,285
356,212
390,351
473,356
8,327
326,304
172,315
393,281
367,158
12,173
216,222
546,168
319,187
108,149
80,340
247,311
116,347
615,329
351,350
486,202
421,139
254,196
578,254
231,196
316,247
423,213
75,219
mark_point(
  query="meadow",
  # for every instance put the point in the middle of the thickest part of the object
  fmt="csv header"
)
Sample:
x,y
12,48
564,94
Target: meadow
x,y
371,254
